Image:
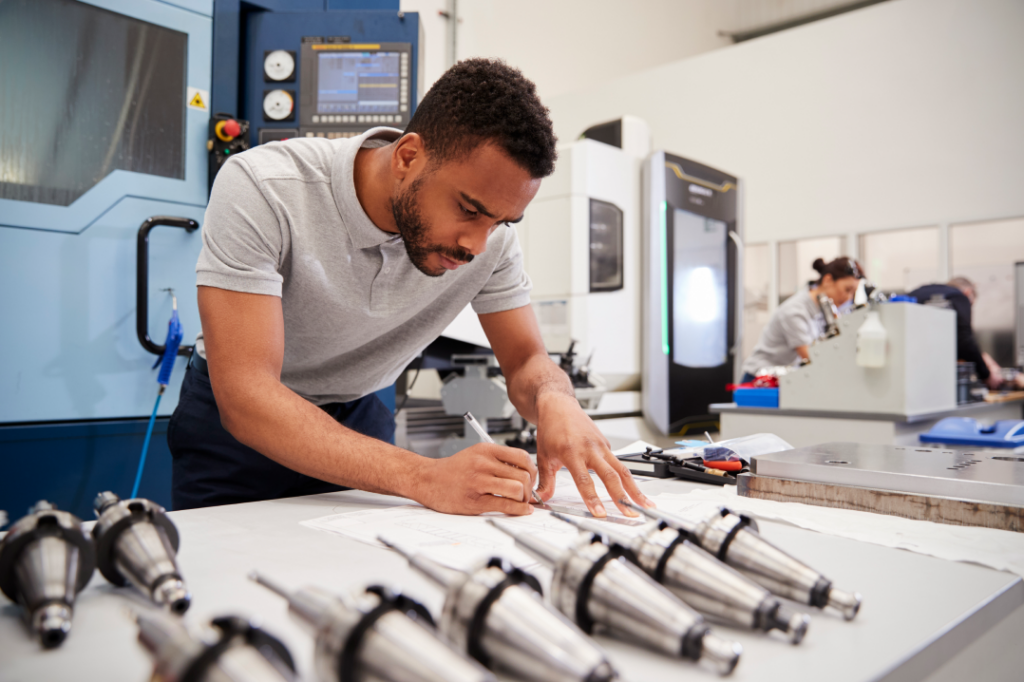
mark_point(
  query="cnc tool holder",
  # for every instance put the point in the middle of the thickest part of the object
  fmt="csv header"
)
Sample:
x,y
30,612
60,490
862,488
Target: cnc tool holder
x,y
496,614
376,635
699,579
228,649
136,543
733,538
597,587
45,560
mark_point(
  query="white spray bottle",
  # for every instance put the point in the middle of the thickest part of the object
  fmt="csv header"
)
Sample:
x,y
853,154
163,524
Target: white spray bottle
x,y
872,342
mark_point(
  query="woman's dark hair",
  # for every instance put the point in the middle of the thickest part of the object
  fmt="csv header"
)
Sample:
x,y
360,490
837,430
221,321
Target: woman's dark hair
x,y
841,267
486,100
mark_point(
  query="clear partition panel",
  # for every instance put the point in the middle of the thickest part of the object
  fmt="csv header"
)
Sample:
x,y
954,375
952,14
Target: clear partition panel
x,y
901,260
796,257
985,254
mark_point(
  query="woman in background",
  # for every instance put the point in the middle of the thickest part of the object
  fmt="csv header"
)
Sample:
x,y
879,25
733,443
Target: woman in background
x,y
798,322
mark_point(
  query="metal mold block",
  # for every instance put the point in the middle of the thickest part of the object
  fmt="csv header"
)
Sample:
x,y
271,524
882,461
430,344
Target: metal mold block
x,y
979,475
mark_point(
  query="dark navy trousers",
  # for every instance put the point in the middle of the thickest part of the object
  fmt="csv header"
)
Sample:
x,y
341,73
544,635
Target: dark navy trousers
x,y
210,467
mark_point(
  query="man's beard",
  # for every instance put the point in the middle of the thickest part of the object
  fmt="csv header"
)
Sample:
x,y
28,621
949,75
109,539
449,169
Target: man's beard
x,y
406,212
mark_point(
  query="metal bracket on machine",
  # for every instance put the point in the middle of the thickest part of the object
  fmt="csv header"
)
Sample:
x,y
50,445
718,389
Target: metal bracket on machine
x,y
142,280
477,392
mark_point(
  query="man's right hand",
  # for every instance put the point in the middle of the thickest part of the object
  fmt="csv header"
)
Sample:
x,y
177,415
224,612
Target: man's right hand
x,y
482,478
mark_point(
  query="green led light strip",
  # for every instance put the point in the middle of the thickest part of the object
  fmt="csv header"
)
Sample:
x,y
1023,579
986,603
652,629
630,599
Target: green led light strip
x,y
664,277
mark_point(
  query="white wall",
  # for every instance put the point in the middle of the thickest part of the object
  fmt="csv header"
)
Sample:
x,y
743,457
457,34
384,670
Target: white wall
x,y
906,113
757,14
565,45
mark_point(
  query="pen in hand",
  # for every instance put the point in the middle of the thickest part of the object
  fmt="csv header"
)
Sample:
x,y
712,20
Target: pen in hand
x,y
471,420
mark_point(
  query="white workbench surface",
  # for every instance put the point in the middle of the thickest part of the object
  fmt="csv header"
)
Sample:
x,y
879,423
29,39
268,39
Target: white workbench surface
x,y
918,611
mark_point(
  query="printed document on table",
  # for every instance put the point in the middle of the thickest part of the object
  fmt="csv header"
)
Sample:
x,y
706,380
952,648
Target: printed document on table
x,y
462,541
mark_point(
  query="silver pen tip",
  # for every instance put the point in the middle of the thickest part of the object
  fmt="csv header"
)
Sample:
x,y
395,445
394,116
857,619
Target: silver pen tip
x,y
277,589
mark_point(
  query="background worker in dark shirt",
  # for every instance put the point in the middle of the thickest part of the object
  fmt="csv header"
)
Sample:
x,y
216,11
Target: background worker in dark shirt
x,y
961,293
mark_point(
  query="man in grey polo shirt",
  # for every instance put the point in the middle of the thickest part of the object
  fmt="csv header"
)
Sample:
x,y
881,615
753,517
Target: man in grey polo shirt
x,y
328,265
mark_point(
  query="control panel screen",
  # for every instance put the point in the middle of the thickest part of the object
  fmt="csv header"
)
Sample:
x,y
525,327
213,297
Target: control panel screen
x,y
358,83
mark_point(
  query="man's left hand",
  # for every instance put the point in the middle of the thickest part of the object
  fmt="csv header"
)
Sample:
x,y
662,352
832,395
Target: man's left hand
x,y
567,437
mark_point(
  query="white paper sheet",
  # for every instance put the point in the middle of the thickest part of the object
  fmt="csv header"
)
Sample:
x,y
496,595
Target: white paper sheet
x,y
998,549
567,496
634,447
462,541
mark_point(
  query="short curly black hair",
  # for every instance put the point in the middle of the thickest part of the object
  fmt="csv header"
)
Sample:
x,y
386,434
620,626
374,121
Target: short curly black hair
x,y
486,100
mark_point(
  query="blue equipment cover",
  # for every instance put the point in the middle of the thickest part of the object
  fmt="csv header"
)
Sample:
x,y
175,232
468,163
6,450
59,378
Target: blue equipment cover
x,y
756,397
1008,433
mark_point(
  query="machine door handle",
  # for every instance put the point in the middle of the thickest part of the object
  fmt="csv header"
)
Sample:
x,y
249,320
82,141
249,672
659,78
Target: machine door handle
x,y
142,280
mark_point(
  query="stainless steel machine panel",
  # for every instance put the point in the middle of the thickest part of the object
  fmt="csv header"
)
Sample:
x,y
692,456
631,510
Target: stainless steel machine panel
x,y
981,475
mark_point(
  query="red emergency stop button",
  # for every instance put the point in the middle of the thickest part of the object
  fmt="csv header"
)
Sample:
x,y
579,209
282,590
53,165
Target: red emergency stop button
x,y
227,130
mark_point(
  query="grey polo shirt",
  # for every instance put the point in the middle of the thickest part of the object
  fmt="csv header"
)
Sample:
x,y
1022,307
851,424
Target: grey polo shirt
x,y
284,220
797,322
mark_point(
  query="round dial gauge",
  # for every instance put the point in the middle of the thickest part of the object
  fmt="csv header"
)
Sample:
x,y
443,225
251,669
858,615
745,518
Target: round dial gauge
x,y
277,105
279,65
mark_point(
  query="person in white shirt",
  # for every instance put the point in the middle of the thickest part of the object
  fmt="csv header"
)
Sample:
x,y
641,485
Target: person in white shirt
x,y
798,322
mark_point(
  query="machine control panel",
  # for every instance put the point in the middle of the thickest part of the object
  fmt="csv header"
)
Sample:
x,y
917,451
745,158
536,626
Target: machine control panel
x,y
227,136
347,88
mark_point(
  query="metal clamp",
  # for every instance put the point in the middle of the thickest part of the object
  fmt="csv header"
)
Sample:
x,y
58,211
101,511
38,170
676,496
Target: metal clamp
x,y
142,280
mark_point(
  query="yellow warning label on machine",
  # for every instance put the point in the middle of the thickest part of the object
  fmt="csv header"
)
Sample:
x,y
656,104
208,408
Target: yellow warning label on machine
x,y
197,99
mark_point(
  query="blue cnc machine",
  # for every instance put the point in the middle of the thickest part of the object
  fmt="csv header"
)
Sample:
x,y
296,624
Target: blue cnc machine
x,y
109,110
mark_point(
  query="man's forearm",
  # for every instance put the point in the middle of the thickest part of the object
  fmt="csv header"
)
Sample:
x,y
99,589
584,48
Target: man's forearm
x,y
277,422
536,379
